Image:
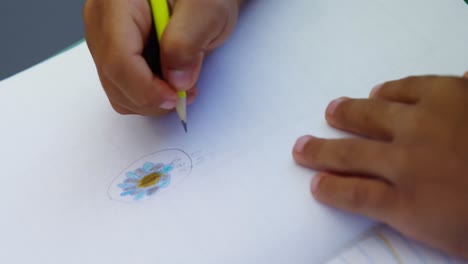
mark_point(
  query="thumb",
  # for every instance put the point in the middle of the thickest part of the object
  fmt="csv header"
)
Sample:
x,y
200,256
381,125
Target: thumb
x,y
196,27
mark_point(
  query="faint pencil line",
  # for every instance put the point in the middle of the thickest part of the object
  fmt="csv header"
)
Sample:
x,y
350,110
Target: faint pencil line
x,y
390,247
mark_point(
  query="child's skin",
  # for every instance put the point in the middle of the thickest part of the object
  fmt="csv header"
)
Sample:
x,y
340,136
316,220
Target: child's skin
x,y
116,33
408,169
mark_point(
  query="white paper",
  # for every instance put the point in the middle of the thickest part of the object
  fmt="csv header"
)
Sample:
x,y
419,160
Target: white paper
x,y
386,246
244,199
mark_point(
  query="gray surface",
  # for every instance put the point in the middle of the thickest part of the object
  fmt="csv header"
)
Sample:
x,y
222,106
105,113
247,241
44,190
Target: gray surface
x,y
32,31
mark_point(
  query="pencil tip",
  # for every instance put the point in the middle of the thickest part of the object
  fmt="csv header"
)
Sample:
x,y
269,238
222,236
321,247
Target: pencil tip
x,y
185,126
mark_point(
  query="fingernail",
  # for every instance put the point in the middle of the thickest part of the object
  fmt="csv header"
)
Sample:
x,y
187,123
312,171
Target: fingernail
x,y
168,105
315,183
180,79
300,143
334,104
375,89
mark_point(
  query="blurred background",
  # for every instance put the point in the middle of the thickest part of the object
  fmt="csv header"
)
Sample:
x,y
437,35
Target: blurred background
x,y
32,31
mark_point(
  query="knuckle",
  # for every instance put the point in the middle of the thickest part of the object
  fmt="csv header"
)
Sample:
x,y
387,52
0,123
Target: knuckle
x,y
186,44
410,80
382,87
140,94
372,197
378,90
402,161
460,88
178,45
146,97
145,101
87,9
88,21
400,158
358,198
346,154
93,10
382,198
119,109
171,3
219,8
395,112
417,121
110,65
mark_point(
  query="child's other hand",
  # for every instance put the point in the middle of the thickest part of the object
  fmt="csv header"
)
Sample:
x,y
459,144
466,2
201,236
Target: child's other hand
x,y
116,34
409,169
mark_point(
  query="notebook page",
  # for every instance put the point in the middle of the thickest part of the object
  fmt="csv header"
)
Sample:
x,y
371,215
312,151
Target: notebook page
x,y
228,191
386,246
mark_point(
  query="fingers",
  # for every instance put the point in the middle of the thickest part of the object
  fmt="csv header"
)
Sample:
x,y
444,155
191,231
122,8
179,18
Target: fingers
x,y
137,82
124,106
368,197
117,100
465,75
355,156
125,31
121,109
191,95
370,118
408,90
195,28
116,33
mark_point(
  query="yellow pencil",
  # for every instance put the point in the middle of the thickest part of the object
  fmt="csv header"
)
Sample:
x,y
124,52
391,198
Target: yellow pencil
x,y
160,10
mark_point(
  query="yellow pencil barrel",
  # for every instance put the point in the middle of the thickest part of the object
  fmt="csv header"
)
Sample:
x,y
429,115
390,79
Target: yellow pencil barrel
x,y
161,15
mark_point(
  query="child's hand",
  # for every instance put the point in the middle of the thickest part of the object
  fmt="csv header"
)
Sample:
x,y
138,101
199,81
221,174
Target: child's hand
x,y
117,31
410,169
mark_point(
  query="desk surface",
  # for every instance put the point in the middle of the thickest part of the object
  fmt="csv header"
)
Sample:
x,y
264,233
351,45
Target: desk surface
x,y
32,31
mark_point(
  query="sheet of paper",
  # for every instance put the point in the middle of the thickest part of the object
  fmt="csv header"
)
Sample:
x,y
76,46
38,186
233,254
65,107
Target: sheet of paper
x,y
228,191
386,246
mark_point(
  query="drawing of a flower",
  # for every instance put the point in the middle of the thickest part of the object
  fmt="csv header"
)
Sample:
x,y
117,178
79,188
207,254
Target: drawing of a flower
x,y
146,180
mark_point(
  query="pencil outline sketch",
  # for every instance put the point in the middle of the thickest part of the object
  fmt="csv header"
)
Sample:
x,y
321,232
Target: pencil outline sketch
x,y
150,174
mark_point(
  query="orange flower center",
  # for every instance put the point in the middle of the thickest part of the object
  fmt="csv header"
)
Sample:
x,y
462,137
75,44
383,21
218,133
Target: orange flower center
x,y
149,180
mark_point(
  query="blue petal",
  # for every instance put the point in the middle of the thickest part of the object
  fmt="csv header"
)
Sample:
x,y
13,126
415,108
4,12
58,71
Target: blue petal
x,y
126,185
131,175
126,193
167,169
139,195
164,182
148,166
130,191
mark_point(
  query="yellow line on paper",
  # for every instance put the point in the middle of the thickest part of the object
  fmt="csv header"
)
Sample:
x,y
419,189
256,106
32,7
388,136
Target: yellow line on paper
x,y
390,246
